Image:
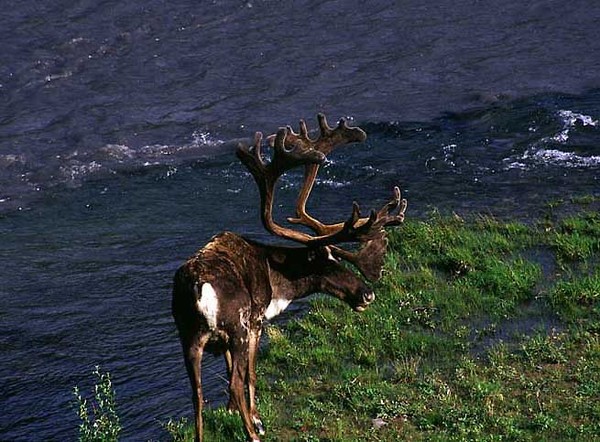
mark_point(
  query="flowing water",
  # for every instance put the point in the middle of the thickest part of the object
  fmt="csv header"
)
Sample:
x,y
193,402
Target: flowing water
x,y
118,123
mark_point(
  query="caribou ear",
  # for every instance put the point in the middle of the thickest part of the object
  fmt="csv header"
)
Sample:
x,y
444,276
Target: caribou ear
x,y
322,254
330,255
278,257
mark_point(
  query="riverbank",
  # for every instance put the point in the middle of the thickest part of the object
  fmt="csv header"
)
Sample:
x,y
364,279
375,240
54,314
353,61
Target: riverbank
x,y
482,330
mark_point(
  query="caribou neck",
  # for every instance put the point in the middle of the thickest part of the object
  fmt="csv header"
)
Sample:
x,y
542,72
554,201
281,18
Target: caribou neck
x,y
289,279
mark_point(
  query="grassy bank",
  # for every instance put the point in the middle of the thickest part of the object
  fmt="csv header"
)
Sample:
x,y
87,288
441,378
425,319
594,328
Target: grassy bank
x,y
481,330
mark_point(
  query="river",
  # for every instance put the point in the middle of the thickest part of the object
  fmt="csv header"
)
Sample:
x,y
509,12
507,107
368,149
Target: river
x,y
118,123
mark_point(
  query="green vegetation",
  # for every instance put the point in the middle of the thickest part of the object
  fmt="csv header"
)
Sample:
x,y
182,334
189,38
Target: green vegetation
x,y
99,421
481,330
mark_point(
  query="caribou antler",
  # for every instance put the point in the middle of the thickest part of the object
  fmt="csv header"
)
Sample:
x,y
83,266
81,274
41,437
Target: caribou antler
x,y
293,150
287,156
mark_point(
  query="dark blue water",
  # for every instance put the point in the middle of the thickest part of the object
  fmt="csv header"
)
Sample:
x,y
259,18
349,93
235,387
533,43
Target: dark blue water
x,y
118,123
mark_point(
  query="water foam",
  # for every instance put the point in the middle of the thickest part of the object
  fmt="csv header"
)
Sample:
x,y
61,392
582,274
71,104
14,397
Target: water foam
x,y
200,138
570,120
566,159
545,152
113,158
22,174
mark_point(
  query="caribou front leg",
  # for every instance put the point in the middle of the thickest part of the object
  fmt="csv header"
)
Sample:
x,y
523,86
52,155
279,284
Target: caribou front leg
x,y
230,405
237,386
253,346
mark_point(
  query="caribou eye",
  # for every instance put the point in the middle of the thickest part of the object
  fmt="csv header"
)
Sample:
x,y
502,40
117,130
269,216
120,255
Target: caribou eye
x,y
290,148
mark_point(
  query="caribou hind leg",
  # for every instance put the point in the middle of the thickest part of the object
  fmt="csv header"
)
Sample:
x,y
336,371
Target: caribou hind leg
x,y
193,362
253,352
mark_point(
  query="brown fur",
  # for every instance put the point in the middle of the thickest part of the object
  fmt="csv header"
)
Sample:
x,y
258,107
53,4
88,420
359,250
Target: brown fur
x,y
246,276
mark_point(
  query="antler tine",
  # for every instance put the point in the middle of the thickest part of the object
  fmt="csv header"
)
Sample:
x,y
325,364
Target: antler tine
x,y
290,155
323,126
251,156
326,130
293,137
258,136
397,202
384,218
303,130
330,138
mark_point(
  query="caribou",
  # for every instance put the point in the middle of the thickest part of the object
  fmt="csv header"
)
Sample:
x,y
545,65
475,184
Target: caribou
x,y
224,293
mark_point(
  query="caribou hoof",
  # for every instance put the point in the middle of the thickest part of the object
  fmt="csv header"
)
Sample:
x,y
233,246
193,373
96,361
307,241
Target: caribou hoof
x,y
258,426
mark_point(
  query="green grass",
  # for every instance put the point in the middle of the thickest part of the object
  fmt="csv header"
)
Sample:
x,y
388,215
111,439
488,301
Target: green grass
x,y
98,417
471,337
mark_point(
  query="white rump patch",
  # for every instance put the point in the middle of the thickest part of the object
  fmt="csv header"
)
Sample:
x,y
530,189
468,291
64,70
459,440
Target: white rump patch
x,y
276,306
208,305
